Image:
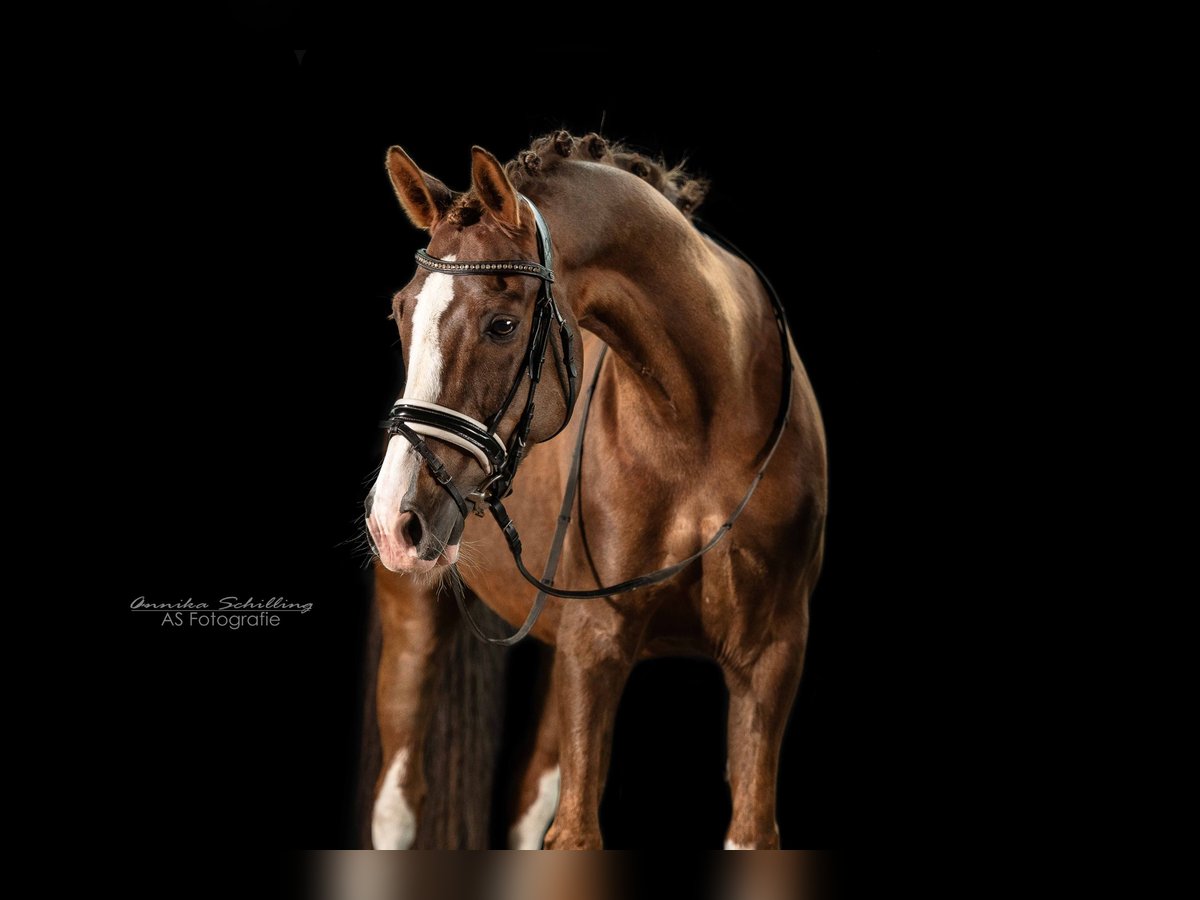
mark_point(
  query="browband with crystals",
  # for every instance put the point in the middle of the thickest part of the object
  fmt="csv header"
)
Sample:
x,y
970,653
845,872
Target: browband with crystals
x,y
483,267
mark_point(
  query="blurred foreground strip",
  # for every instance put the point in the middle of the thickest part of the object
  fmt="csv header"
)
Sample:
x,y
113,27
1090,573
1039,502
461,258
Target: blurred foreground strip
x,y
450,875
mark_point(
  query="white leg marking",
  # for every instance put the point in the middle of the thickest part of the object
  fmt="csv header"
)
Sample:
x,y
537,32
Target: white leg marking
x,y
734,845
528,833
393,824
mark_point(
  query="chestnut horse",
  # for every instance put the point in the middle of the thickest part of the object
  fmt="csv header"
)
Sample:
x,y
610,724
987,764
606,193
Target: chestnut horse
x,y
684,406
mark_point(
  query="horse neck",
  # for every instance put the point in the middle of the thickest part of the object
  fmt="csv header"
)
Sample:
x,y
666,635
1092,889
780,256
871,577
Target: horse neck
x,y
671,308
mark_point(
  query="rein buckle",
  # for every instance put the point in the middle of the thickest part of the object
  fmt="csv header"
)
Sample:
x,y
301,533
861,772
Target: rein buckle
x,y
479,497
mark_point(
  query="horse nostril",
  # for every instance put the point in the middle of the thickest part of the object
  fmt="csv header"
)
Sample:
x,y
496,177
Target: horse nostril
x,y
414,530
369,502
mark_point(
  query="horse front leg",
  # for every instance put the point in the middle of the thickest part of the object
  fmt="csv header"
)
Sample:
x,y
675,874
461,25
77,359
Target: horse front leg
x,y
415,627
537,797
596,647
760,698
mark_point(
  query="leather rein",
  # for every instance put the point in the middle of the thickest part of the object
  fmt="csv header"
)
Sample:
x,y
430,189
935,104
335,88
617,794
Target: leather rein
x,y
416,420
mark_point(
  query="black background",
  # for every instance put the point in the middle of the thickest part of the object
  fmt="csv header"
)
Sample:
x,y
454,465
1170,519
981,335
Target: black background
x,y
250,361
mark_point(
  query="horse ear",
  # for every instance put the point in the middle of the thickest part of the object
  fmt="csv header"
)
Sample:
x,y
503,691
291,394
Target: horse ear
x,y
493,187
423,197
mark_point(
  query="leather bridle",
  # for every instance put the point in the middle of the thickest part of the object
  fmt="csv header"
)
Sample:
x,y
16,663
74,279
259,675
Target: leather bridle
x,y
416,420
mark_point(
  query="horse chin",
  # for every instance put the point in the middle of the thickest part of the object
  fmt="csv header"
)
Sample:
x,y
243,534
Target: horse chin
x,y
408,564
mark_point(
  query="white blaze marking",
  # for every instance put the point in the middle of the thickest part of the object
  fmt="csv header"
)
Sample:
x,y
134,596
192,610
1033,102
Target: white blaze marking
x,y
528,833
424,382
393,824
425,354
395,476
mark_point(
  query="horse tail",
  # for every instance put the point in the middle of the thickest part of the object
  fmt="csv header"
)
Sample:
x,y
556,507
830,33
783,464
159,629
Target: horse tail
x,y
370,758
462,743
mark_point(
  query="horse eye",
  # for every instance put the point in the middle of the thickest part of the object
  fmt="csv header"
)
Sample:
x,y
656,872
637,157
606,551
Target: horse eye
x,y
502,327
